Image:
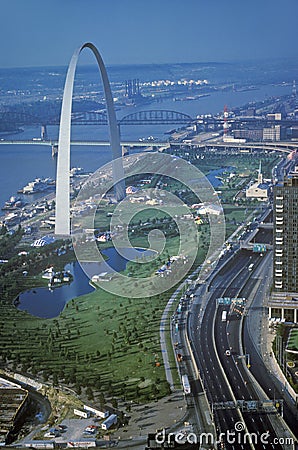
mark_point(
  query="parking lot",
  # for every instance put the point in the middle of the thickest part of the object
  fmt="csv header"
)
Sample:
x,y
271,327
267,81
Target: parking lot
x,y
75,430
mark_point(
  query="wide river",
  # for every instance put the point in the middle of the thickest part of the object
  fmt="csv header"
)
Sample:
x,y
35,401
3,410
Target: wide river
x,y
20,164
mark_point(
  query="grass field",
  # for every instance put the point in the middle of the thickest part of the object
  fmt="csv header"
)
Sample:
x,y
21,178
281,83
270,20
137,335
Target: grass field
x,y
98,341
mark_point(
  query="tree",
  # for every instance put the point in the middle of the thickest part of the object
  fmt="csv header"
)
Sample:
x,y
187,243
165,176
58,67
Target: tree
x,y
45,375
89,393
101,400
78,389
114,403
154,390
55,379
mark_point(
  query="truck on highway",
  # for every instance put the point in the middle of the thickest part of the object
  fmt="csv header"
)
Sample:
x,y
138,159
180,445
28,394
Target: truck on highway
x,y
185,384
224,316
179,357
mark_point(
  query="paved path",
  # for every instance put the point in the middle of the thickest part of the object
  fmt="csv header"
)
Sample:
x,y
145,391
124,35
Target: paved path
x,y
164,329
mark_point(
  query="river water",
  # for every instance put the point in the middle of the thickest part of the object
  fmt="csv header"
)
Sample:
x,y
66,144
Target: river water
x,y
20,164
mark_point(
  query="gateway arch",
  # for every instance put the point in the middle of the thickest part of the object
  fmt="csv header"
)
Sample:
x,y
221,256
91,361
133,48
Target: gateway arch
x,y
62,223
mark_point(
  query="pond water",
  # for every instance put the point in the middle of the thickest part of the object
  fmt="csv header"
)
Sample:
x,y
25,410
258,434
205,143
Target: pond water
x,y
214,174
45,303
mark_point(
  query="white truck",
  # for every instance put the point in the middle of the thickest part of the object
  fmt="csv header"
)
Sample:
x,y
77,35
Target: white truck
x,y
185,384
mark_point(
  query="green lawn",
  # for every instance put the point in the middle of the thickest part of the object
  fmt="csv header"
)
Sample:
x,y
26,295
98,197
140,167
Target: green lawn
x,y
99,340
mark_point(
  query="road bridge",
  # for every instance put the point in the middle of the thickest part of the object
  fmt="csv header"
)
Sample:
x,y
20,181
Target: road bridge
x,y
156,117
284,146
126,145
146,117
53,143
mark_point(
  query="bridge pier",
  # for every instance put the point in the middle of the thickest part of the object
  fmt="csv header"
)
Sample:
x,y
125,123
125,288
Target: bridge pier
x,y
54,150
125,150
44,133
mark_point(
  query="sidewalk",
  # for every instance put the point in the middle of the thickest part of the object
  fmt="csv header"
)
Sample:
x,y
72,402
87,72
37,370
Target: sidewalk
x,y
268,336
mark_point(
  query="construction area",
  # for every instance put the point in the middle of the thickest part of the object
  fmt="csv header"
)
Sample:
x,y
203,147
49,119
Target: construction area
x,y
13,403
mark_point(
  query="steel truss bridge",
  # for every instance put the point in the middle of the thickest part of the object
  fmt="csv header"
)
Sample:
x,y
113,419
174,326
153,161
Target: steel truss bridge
x,y
147,117
156,117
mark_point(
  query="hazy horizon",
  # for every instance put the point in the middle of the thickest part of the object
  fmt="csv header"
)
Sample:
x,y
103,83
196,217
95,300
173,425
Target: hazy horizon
x,y
142,32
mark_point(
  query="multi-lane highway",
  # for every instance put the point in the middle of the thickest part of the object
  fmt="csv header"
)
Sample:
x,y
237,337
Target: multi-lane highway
x,y
223,373
271,386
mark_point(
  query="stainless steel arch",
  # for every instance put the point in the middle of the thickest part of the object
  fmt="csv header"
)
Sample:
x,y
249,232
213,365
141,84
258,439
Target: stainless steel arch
x,y
62,224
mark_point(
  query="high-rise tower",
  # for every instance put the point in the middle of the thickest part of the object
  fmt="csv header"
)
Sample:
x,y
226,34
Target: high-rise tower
x,y
225,124
283,302
286,234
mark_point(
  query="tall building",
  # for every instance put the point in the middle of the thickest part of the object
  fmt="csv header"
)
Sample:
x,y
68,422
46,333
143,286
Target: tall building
x,y
271,133
284,300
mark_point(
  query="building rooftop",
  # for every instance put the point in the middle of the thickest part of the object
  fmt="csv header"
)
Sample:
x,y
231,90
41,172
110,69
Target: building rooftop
x,y
263,186
283,299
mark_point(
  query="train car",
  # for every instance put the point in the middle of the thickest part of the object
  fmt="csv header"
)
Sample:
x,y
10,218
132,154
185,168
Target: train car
x,y
185,384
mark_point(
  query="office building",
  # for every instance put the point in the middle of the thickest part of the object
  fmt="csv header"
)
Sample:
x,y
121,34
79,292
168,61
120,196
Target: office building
x,y
271,133
284,300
